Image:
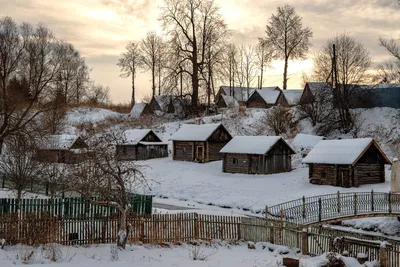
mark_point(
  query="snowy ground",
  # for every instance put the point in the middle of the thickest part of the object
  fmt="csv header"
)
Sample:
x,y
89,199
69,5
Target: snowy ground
x,y
217,254
207,184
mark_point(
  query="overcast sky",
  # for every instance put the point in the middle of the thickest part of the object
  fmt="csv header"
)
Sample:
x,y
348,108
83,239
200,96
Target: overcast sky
x,y
100,29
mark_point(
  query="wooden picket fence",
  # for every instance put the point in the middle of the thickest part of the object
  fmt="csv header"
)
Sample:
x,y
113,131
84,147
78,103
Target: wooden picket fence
x,y
43,227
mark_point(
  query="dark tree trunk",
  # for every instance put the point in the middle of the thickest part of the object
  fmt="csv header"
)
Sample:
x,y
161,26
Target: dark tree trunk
x,y
153,78
133,90
285,74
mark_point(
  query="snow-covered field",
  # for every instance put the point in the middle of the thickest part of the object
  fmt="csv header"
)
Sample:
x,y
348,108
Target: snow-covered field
x,y
207,184
216,254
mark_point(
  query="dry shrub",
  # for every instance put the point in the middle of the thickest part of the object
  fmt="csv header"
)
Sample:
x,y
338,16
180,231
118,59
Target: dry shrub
x,y
30,228
197,253
119,107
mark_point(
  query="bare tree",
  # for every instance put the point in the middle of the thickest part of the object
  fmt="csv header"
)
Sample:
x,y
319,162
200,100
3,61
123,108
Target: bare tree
x,y
18,164
129,62
27,53
102,175
98,94
264,57
389,72
352,65
249,62
232,59
278,120
54,177
192,24
150,47
287,36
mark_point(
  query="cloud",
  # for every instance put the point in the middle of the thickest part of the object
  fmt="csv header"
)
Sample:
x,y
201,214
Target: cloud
x,y
100,29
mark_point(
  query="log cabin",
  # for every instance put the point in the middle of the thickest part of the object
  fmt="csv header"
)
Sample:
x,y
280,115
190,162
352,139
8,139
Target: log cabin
x,y
141,144
347,163
63,148
225,101
140,109
199,143
264,98
257,155
290,98
313,89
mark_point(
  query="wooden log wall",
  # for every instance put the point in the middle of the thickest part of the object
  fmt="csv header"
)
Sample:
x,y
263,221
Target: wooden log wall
x,y
366,173
183,151
236,163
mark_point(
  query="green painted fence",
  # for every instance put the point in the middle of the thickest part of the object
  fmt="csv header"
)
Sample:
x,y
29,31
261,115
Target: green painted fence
x,y
74,207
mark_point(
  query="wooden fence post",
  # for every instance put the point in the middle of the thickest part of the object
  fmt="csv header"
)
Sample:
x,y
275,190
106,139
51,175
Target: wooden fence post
x,y
141,229
390,202
319,209
355,203
383,255
338,201
271,234
372,200
304,242
266,215
304,207
196,226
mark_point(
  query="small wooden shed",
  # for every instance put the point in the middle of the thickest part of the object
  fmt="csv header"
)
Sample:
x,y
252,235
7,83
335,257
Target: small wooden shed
x,y
141,144
313,89
61,148
200,143
290,98
225,101
347,163
264,98
257,155
162,103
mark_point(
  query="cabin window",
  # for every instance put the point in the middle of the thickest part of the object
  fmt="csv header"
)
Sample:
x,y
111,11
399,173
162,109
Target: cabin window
x,y
184,150
151,147
323,174
235,161
124,150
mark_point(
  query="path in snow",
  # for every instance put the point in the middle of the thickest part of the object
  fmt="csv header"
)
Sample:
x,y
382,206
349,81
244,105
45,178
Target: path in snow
x,y
207,184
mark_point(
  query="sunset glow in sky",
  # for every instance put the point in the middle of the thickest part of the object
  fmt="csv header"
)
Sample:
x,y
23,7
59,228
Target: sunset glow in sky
x,y
100,29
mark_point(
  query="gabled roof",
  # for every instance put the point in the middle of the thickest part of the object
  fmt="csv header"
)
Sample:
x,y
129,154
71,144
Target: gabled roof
x,y
163,101
256,145
292,96
345,151
239,93
269,96
230,101
137,109
315,86
305,141
135,136
194,132
59,142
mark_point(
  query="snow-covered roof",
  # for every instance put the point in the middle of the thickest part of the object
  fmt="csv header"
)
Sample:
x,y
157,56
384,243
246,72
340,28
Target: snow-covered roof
x,y
194,132
314,86
345,151
269,96
230,101
305,141
258,145
134,136
163,101
137,109
239,93
58,141
292,96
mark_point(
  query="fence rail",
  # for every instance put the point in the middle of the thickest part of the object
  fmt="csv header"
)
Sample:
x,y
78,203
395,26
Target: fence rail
x,y
311,210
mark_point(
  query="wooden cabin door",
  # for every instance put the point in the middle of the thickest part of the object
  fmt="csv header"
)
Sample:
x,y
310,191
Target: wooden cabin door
x,y
254,164
344,178
200,154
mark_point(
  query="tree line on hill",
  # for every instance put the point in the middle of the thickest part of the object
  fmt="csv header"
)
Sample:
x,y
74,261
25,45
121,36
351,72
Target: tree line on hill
x,y
195,53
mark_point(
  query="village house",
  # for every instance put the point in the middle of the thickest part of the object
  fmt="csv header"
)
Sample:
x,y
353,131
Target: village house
x,y
264,98
199,143
141,144
226,101
347,163
257,155
313,89
61,148
163,103
140,109
290,98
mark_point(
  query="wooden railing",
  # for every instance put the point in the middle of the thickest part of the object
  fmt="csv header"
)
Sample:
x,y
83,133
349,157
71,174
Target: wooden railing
x,y
312,210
